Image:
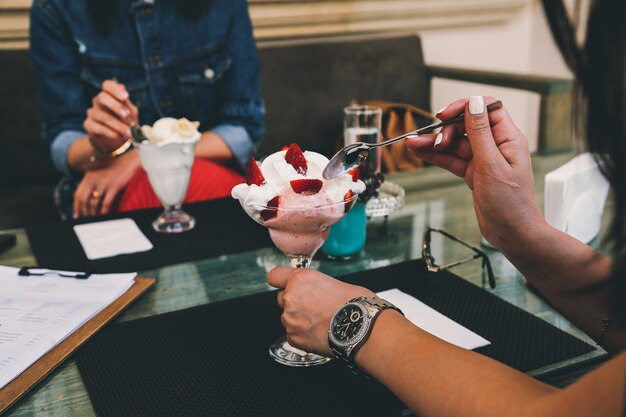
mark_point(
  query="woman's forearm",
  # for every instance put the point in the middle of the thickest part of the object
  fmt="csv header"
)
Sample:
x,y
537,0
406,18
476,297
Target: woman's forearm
x,y
435,378
80,156
211,146
571,275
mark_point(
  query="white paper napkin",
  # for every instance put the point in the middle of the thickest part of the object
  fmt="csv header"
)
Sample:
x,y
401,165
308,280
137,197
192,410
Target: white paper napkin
x,y
433,321
110,238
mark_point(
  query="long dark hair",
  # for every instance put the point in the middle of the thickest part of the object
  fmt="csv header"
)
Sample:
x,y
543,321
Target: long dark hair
x,y
602,81
101,12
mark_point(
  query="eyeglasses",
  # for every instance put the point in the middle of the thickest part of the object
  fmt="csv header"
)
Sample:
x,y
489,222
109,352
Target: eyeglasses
x,y
431,265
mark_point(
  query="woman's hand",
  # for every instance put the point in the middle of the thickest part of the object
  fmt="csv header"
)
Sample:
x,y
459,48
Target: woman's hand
x,y
492,155
97,191
108,117
309,299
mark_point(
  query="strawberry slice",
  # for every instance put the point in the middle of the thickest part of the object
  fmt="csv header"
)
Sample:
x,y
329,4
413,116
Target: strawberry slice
x,y
355,174
254,174
296,159
306,186
348,199
269,213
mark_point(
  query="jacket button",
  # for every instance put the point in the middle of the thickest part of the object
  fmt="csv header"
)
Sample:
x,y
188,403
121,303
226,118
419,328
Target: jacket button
x,y
209,74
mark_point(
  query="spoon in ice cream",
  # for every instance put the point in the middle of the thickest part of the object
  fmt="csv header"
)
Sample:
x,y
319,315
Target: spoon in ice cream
x,y
354,154
137,133
135,129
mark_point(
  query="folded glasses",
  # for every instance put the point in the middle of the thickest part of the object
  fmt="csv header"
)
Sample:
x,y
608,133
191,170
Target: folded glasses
x,y
432,266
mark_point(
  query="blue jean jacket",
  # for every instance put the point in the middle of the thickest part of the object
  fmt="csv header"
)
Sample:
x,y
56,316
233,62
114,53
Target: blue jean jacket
x,y
205,69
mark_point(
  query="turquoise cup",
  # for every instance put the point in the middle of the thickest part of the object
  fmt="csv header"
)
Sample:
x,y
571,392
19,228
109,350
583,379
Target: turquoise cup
x,y
347,237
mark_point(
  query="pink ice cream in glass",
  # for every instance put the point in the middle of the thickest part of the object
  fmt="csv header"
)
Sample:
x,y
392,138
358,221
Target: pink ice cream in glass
x,y
288,195
297,204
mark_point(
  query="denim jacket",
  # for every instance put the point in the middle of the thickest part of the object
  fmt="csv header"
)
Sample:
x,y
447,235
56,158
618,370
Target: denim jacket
x,y
205,69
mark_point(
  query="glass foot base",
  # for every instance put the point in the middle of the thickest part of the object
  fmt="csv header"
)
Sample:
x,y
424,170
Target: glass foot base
x,y
282,352
173,221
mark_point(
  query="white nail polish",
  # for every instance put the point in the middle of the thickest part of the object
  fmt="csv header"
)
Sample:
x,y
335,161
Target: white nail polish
x,y
438,139
442,109
476,105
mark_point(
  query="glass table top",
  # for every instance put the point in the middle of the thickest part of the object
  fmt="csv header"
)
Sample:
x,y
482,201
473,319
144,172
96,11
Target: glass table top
x,y
433,199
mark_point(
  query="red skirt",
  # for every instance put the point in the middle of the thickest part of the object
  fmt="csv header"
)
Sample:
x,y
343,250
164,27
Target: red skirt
x,y
209,181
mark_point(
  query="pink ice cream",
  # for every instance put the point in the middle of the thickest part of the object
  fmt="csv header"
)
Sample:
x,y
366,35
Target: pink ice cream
x,y
296,203
302,222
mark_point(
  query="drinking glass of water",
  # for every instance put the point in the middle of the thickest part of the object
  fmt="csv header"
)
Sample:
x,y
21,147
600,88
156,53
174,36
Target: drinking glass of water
x,y
363,124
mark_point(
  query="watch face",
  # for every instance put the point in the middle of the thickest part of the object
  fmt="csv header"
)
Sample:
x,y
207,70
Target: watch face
x,y
347,323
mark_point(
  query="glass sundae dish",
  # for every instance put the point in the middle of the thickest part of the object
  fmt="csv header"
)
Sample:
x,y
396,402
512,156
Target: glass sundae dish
x,y
288,195
167,157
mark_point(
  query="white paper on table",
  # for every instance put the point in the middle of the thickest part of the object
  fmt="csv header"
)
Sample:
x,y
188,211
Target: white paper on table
x,y
39,312
432,321
110,238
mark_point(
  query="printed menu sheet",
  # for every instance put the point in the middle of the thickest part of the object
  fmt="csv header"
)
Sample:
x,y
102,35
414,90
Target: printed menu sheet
x,y
39,312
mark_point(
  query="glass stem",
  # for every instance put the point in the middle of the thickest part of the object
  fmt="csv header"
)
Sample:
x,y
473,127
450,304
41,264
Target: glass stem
x,y
300,261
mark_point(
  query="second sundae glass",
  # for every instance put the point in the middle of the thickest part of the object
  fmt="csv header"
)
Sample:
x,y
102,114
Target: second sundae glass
x,y
169,168
298,232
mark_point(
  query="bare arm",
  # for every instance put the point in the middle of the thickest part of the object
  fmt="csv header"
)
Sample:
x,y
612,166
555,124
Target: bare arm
x,y
212,147
572,276
435,378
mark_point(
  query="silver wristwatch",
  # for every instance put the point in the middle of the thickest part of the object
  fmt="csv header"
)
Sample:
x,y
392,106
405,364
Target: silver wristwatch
x,y
351,326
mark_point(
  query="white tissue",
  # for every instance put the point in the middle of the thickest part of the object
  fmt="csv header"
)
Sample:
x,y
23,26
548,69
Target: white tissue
x,y
574,197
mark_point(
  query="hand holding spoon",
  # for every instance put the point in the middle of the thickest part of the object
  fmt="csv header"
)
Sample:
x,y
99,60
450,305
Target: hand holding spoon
x,y
355,153
135,129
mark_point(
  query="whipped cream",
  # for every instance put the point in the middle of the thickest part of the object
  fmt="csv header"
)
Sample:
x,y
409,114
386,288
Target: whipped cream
x,y
170,130
278,174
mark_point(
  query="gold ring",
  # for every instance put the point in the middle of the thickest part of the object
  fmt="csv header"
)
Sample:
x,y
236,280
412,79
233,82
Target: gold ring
x,y
95,194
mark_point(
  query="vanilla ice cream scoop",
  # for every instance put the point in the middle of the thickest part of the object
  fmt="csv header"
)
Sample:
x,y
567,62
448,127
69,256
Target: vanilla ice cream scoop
x,y
170,130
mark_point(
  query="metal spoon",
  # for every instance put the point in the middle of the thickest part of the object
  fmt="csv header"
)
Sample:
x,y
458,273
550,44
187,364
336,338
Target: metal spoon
x,y
355,153
135,129
137,133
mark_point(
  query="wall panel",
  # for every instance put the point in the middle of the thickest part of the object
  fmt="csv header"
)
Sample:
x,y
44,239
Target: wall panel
x,y
288,19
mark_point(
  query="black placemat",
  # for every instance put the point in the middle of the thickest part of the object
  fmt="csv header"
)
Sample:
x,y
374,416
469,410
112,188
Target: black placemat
x,y
212,360
56,246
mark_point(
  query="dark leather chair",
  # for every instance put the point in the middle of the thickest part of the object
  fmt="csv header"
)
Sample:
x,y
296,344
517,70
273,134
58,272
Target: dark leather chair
x,y
27,177
307,86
